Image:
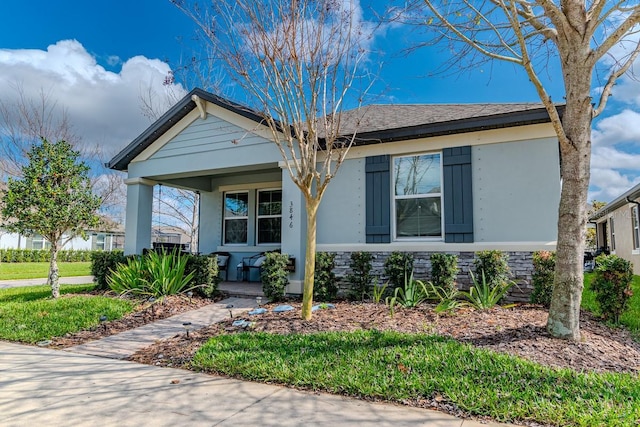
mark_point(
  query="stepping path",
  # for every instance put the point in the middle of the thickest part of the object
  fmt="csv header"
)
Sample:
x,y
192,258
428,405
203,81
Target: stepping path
x,y
124,344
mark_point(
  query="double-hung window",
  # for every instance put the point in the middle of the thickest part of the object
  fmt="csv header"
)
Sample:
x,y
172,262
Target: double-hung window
x,y
635,228
269,218
236,217
417,192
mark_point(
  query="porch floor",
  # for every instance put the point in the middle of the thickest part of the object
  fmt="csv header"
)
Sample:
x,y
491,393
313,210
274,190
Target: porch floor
x,y
241,289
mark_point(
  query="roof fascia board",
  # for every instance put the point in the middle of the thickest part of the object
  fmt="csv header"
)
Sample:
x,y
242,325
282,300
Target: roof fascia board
x,y
480,137
617,203
181,125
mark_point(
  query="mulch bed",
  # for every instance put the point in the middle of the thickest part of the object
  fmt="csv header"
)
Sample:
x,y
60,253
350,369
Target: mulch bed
x,y
519,330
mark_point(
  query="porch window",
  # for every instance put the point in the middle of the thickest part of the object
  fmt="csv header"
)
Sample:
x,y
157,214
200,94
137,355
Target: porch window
x,y
236,217
613,235
269,216
636,228
417,191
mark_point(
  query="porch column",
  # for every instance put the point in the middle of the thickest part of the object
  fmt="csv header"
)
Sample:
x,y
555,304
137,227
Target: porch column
x,y
294,230
210,221
137,234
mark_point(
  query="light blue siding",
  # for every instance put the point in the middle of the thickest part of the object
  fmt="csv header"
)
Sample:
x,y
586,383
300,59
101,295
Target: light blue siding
x,y
207,147
516,191
341,216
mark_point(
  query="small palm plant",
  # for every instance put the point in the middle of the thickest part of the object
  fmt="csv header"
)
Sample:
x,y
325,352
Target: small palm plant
x,y
484,296
412,295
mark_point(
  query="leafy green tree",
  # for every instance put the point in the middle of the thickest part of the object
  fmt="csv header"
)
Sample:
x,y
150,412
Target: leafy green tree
x,y
53,198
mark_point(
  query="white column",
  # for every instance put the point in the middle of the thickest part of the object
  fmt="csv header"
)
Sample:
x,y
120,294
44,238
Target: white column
x,y
294,229
210,221
138,220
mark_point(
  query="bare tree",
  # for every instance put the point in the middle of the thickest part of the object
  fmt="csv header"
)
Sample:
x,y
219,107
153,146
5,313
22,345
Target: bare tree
x,y
531,33
24,121
179,208
298,63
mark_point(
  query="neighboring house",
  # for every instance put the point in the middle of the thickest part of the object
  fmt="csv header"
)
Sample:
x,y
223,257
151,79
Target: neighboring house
x,y
108,237
618,228
421,178
96,240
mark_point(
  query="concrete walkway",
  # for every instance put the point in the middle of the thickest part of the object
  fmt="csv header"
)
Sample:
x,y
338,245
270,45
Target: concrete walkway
x,y
39,386
124,344
75,280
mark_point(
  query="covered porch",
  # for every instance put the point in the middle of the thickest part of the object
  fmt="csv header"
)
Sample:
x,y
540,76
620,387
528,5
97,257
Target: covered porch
x,y
241,214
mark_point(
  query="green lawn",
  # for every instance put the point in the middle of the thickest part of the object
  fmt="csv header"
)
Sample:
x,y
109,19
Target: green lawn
x,y
631,317
394,366
37,270
28,314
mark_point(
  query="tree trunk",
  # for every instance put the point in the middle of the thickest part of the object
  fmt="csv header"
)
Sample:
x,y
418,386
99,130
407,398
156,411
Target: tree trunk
x,y
310,258
53,272
564,312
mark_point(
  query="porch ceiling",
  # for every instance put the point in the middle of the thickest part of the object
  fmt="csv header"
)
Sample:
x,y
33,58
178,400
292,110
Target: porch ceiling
x,y
203,180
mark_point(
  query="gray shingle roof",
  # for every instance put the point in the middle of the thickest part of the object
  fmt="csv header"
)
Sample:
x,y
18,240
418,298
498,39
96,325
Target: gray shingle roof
x,y
375,118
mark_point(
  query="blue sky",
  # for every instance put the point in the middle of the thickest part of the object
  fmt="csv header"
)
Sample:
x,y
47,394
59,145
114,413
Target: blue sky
x,y
96,58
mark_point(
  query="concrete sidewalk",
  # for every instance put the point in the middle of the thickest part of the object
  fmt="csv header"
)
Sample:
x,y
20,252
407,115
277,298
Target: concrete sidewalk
x,y
124,344
41,386
75,280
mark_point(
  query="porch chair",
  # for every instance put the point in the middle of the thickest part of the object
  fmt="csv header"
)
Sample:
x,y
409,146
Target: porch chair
x,y
250,264
223,263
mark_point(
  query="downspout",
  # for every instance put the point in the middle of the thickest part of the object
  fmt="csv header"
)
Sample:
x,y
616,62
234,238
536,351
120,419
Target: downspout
x,y
632,201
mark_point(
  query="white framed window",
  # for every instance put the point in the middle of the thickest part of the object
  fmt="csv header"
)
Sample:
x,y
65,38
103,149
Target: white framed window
x,y
269,216
635,227
236,217
417,197
100,240
613,234
39,242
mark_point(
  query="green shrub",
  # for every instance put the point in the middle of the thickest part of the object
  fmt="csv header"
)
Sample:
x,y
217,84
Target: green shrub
x,y
167,273
274,275
42,255
612,285
495,265
205,274
325,287
155,274
130,276
483,295
102,263
397,267
360,277
444,270
544,265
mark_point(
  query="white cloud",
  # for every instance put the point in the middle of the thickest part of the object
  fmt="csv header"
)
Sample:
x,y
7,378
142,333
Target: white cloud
x,y
619,128
607,184
103,106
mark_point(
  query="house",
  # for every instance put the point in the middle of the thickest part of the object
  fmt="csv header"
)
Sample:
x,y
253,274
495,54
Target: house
x,y
107,237
618,229
421,178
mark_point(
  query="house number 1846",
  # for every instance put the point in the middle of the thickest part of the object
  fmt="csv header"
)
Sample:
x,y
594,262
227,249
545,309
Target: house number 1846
x,y
290,214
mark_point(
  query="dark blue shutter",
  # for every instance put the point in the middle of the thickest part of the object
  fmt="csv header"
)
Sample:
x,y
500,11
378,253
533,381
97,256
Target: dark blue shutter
x,y
378,199
458,198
